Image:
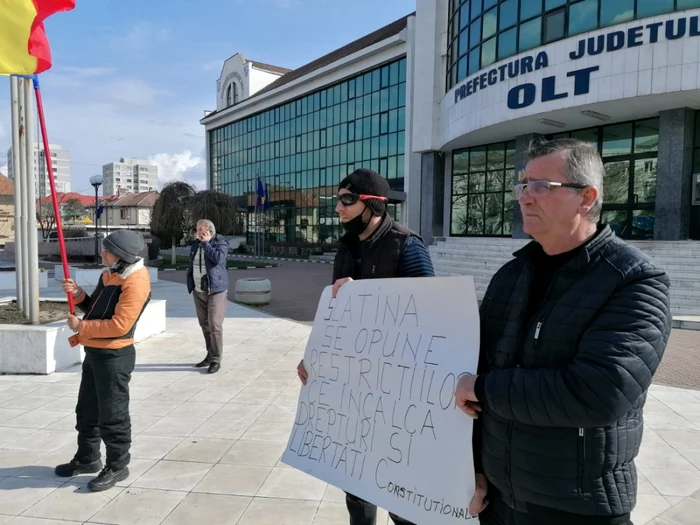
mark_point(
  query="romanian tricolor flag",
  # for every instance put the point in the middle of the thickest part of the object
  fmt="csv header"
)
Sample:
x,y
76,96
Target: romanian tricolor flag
x,y
24,48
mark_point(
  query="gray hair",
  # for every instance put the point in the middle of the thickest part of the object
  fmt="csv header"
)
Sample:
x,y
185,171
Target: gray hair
x,y
210,225
583,165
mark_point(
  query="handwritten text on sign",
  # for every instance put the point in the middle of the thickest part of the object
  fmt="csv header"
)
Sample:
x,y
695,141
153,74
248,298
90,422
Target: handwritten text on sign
x,y
377,417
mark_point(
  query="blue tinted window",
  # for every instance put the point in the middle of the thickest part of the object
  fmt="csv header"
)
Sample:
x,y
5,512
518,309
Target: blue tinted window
x,y
530,8
653,7
507,43
530,34
508,14
583,17
616,12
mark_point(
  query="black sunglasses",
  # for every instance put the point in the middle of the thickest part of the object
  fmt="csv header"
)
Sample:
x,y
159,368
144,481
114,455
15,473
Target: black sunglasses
x,y
348,199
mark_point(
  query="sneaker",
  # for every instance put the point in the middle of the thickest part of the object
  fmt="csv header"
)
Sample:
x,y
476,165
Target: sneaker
x,y
107,479
204,363
75,468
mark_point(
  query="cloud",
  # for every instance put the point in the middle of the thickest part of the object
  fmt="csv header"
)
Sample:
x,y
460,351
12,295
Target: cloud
x,y
139,37
175,166
132,91
3,132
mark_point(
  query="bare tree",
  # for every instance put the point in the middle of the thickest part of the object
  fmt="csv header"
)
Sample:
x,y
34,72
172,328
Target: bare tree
x,y
46,219
171,218
220,208
45,216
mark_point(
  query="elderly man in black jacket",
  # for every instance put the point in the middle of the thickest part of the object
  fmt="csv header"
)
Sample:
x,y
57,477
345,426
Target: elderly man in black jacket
x,y
572,331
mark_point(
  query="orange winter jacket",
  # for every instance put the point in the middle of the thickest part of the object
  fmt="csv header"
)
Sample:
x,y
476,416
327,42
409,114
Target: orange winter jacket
x,y
114,308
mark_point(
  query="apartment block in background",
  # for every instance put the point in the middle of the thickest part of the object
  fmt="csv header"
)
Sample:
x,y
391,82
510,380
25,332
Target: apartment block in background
x,y
129,176
60,163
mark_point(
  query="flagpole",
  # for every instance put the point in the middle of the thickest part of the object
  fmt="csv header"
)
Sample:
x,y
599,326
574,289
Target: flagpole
x,y
52,184
24,188
32,240
19,194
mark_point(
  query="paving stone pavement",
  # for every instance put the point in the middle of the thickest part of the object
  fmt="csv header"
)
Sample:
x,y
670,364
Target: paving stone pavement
x,y
206,448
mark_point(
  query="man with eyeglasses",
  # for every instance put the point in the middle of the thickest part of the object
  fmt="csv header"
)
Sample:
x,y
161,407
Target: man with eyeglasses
x,y
373,247
572,332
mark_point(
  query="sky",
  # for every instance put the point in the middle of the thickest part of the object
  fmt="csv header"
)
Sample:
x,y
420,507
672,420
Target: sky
x,y
132,78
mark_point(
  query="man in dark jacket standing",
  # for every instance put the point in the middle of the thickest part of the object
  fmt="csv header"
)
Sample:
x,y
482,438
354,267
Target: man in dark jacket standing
x,y
374,247
572,331
207,277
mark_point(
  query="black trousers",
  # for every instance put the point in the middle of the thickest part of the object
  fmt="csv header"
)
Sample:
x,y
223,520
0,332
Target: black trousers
x,y
499,513
364,513
102,412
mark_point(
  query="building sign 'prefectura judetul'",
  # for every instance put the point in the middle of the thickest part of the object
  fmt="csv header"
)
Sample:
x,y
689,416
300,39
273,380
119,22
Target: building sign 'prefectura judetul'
x,y
524,95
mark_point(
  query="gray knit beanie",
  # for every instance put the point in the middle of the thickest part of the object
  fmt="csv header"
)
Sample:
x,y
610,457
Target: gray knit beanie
x,y
125,244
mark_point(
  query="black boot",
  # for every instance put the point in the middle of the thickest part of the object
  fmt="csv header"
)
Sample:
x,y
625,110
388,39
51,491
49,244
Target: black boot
x,y
75,468
204,363
214,368
107,479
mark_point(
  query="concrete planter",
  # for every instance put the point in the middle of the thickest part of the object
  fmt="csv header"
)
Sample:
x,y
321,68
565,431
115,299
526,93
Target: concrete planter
x,y
90,277
44,349
254,291
8,280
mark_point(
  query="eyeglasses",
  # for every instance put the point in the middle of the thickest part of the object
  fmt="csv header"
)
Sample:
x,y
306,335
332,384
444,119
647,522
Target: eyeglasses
x,y
542,187
348,199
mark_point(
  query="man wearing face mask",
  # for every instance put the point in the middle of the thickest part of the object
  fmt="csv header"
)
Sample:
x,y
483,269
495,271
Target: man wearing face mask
x,y
374,247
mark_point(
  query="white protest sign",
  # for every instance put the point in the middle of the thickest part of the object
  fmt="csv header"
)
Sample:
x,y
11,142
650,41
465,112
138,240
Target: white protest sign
x,y
377,417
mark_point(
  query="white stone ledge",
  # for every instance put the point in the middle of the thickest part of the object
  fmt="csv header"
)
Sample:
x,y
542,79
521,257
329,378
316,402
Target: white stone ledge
x,y
8,280
90,277
44,349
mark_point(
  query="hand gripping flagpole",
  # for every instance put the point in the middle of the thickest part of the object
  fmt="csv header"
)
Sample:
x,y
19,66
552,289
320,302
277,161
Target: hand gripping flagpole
x,y
52,183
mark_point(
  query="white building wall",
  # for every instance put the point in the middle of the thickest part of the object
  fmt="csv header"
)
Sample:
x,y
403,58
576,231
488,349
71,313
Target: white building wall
x,y
429,75
259,79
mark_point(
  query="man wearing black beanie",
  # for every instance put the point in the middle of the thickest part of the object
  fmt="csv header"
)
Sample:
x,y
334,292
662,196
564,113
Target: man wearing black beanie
x,y
374,247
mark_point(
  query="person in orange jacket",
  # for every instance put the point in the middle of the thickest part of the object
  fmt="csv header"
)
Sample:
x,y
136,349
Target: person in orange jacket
x,y
107,333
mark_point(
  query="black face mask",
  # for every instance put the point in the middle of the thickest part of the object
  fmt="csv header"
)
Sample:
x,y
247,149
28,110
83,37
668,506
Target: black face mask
x,y
357,225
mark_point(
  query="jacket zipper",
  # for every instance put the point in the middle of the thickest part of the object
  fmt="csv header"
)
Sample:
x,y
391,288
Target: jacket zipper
x,y
581,441
518,364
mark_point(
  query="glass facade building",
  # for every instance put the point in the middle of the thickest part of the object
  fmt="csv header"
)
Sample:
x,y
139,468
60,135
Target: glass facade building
x,y
481,32
302,149
483,178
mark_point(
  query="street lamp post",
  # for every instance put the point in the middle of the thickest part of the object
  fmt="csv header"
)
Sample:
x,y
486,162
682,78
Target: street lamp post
x,y
96,181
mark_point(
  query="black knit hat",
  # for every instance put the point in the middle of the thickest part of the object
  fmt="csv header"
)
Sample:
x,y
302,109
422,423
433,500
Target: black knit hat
x,y
125,244
368,182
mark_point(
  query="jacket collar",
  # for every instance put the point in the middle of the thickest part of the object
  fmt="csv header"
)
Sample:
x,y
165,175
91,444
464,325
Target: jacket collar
x,y
131,269
352,241
603,236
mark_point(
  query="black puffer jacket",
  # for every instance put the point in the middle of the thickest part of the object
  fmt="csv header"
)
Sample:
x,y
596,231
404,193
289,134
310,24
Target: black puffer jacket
x,y
562,419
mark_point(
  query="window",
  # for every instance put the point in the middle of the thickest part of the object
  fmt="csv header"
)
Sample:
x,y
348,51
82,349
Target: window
x,y
482,188
483,31
629,152
583,17
232,94
554,26
303,148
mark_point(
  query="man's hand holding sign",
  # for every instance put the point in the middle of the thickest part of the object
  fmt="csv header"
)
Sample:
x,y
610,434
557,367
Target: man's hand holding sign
x,y
378,414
